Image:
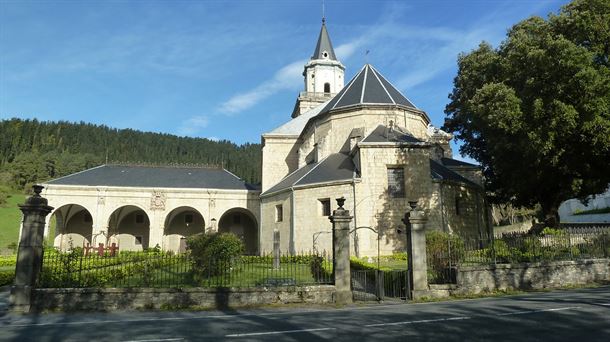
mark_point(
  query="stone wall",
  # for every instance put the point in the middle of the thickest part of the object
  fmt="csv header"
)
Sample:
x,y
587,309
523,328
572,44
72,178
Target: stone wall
x,y
91,299
269,221
476,279
375,208
463,211
280,158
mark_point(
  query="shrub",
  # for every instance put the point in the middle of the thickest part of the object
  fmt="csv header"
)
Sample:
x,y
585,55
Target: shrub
x,y
7,277
8,260
214,254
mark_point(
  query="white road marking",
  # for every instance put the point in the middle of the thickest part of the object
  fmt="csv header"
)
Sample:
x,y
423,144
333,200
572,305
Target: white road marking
x,y
157,340
420,321
535,311
279,332
604,304
230,316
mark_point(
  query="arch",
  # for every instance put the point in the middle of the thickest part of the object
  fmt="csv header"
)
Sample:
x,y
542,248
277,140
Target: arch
x,y
73,226
180,223
241,222
129,227
327,88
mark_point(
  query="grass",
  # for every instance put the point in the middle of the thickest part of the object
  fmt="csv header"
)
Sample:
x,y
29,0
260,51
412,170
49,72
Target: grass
x,y
250,274
138,269
10,220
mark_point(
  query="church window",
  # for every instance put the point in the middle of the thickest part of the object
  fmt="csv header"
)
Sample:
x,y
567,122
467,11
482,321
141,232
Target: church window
x,y
327,88
279,213
396,182
458,205
139,218
325,206
325,54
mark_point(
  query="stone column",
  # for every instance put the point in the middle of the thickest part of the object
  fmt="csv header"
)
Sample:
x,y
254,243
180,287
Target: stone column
x,y
341,267
29,255
417,251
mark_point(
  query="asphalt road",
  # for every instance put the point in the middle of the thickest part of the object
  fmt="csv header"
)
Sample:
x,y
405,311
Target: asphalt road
x,y
572,315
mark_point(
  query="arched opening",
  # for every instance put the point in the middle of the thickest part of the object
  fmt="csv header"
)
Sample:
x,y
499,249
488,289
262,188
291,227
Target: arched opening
x,y
73,226
129,228
180,223
242,223
327,88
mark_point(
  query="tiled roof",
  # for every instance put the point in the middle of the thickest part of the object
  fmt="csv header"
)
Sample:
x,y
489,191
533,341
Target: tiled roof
x,y
367,87
440,172
454,162
385,134
335,167
155,177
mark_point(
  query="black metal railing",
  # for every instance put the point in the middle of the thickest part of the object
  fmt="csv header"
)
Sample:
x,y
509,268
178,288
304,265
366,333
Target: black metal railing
x,y
73,269
558,245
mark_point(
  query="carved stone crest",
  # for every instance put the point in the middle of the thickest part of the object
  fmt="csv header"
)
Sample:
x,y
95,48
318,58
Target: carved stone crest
x,y
157,201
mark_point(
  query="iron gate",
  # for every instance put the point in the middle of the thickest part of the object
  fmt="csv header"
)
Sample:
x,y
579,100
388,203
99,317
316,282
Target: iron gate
x,y
373,285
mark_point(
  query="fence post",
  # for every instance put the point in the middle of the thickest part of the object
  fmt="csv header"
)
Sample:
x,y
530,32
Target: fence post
x,y
341,267
417,251
29,255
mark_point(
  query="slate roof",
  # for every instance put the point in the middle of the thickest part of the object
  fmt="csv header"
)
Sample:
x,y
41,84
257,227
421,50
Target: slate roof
x,y
454,162
335,167
324,44
440,172
296,125
155,177
367,87
384,134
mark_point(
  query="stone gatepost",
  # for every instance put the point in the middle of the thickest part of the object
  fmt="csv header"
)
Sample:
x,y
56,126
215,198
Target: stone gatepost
x,y
29,255
416,252
341,267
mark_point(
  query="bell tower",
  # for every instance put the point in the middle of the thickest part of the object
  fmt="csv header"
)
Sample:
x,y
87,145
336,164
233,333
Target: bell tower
x,y
323,75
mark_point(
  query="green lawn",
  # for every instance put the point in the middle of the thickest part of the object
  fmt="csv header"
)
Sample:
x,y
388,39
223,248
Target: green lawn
x,y
10,220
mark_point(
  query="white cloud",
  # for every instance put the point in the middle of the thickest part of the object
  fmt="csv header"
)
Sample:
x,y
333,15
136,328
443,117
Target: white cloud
x,y
194,125
288,77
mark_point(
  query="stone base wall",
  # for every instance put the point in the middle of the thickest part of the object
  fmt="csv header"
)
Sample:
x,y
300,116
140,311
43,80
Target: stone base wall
x,y
93,299
476,279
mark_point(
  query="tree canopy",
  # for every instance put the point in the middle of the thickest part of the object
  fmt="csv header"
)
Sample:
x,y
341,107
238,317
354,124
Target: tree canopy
x,y
535,111
34,151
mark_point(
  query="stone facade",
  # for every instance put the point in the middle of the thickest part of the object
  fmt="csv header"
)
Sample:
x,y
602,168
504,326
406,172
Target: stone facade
x,y
137,218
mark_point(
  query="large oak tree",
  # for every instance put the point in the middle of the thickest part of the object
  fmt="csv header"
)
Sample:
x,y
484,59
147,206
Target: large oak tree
x,y
535,111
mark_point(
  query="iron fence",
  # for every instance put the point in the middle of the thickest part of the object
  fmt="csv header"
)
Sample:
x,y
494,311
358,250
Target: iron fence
x,y
562,245
75,270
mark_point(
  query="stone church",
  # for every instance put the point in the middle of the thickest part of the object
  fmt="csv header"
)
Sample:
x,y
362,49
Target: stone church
x,y
362,140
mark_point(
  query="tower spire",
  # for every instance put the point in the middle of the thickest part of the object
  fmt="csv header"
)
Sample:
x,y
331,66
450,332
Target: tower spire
x,y
324,47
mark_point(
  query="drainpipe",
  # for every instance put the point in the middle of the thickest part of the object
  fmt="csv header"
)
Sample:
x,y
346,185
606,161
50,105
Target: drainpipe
x,y
440,185
292,221
356,241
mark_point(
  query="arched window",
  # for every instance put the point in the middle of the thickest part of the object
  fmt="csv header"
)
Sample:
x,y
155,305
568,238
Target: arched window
x,y
326,88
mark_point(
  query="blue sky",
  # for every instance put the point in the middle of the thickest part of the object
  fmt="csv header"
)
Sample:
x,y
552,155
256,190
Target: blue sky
x,y
226,69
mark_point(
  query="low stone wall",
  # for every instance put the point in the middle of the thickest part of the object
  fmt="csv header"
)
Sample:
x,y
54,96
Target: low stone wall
x,y
476,279
94,299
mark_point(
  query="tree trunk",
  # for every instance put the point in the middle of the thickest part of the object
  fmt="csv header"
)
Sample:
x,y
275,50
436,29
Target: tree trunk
x,y
551,215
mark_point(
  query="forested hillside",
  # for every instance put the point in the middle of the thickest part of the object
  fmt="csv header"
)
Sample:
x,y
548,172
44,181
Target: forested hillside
x,y
34,151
